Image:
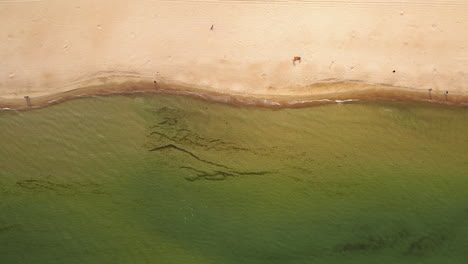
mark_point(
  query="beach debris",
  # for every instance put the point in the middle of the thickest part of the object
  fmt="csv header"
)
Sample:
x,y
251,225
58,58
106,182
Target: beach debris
x,y
212,27
28,100
394,71
296,58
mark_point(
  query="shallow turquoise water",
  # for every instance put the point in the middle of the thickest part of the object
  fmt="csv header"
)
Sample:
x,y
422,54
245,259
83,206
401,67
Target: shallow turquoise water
x,y
170,179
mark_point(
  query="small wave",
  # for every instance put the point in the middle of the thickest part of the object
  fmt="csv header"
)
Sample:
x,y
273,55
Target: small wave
x,y
235,99
321,101
347,100
309,101
86,96
193,93
268,102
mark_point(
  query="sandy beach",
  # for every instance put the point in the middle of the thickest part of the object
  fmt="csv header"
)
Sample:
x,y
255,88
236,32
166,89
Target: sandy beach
x,y
233,131
235,51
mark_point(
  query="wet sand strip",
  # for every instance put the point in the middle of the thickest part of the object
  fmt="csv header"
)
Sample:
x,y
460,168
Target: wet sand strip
x,y
316,94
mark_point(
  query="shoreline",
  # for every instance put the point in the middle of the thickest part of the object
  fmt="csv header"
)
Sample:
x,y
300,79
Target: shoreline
x,y
297,97
366,50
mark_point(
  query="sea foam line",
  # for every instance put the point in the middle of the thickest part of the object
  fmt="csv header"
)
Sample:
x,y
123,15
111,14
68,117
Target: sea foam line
x,y
322,100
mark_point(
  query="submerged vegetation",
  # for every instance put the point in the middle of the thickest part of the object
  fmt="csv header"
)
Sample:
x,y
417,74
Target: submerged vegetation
x,y
138,179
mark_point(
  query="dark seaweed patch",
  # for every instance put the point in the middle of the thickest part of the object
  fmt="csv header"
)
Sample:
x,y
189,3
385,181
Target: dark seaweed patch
x,y
187,137
372,243
170,146
14,227
426,245
41,184
217,174
171,133
69,188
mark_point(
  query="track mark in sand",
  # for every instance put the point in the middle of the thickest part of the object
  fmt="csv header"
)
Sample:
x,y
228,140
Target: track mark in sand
x,y
19,1
455,4
462,60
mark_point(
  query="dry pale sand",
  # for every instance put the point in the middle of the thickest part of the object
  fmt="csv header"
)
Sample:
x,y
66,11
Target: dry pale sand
x,y
51,50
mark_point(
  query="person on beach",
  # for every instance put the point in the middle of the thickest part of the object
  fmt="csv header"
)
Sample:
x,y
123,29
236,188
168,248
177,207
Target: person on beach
x,y
297,58
28,100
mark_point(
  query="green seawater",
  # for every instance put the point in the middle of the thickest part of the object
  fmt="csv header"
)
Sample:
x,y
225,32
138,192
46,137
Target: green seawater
x,y
171,179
